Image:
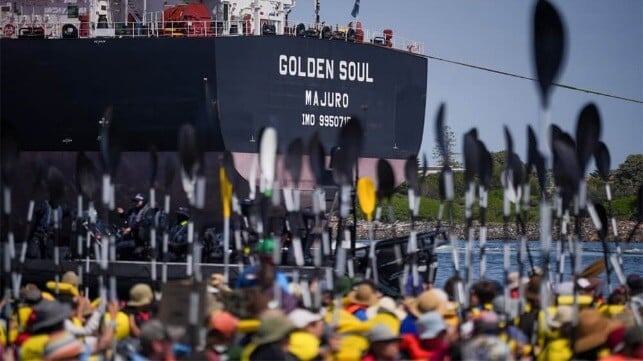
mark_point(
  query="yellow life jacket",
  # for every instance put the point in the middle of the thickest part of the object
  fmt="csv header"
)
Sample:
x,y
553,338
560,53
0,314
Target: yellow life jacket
x,y
557,350
34,348
304,345
65,288
122,325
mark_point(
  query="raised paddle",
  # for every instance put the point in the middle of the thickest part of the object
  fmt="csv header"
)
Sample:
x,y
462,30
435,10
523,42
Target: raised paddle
x,y
411,175
485,170
548,50
471,155
152,191
602,159
366,195
168,179
87,185
56,188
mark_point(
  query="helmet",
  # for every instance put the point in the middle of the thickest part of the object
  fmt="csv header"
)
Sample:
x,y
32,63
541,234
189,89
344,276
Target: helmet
x,y
183,211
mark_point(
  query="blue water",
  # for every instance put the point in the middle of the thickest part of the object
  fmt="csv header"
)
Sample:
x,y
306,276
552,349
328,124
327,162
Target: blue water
x,y
592,251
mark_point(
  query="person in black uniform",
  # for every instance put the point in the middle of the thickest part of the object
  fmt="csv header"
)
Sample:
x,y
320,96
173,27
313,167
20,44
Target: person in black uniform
x,y
178,236
133,227
41,244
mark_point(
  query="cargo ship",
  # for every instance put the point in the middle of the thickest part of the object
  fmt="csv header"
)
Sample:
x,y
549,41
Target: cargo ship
x,y
230,67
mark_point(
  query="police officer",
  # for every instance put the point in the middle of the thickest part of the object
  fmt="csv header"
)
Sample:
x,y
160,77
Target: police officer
x,y
41,245
133,220
178,236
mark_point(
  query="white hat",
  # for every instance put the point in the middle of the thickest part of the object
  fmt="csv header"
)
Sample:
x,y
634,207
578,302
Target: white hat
x,y
302,317
386,304
565,288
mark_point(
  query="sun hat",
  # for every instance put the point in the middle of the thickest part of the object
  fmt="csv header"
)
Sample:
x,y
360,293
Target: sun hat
x,y
71,278
140,295
48,313
593,329
301,317
432,300
385,305
563,315
224,322
30,293
275,326
363,294
381,333
62,346
430,324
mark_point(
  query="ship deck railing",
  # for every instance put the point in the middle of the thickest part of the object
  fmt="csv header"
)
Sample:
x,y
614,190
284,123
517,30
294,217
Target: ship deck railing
x,y
156,27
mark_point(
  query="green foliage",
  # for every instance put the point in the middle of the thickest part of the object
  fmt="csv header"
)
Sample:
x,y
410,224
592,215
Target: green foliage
x,y
625,207
628,176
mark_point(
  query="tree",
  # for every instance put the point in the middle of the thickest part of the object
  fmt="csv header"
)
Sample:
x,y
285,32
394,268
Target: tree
x,y
628,176
449,137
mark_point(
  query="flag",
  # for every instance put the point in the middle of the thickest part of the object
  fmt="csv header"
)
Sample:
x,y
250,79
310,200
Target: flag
x,y
355,11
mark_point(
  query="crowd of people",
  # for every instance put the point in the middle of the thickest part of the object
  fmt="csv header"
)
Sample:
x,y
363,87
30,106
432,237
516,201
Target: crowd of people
x,y
252,319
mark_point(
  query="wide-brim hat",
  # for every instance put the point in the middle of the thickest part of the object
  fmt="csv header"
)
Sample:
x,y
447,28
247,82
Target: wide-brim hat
x,y
432,300
140,295
514,280
386,305
364,294
275,326
301,317
381,333
564,314
593,330
48,313
430,325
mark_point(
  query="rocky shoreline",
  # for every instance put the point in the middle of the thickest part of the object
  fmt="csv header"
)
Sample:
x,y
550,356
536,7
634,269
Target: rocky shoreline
x,y
496,230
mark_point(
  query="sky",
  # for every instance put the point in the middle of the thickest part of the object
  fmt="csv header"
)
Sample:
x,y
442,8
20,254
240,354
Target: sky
x,y
604,53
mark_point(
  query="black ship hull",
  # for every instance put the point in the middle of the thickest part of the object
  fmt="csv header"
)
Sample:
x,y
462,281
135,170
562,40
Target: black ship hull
x,y
55,91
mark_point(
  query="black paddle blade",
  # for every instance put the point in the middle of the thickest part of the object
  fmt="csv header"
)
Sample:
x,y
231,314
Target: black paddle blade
x,y
342,169
588,132
566,169
170,172
470,149
639,204
86,183
440,137
55,186
509,142
602,158
385,179
40,173
154,164
411,172
485,165
548,46
351,139
532,149
516,168
293,160
602,216
317,158
188,149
